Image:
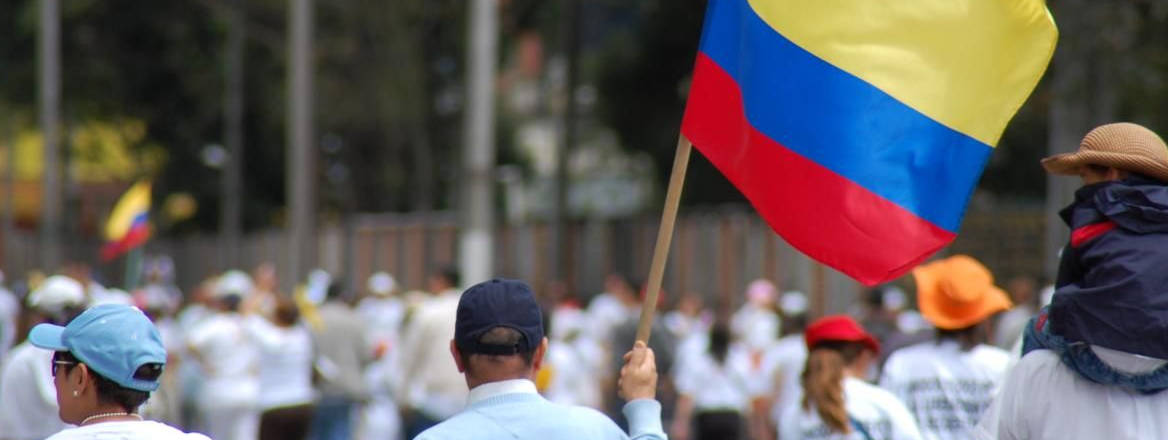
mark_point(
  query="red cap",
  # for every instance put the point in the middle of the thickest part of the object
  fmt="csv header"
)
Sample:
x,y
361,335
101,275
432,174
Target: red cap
x,y
838,328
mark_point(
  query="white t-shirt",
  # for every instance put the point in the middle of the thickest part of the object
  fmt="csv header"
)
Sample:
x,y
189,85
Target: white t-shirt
x,y
286,370
229,356
756,326
9,313
383,316
877,410
945,388
1042,399
129,430
605,314
28,398
717,387
429,378
782,366
573,374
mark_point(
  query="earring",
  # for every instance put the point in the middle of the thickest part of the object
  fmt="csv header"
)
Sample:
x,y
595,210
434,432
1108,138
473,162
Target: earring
x,y
75,393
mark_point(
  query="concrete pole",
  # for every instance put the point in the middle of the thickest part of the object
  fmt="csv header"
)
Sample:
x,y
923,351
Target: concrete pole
x,y
301,178
230,222
476,249
49,48
571,45
6,214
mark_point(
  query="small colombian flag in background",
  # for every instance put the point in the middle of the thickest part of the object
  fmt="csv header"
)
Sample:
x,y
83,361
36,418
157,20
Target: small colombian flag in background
x,y
129,223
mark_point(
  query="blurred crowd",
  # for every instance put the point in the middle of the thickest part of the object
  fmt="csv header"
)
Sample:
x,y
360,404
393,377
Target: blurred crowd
x,y
246,361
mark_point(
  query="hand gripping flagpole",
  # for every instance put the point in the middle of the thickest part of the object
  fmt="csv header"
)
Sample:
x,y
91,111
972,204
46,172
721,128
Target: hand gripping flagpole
x,y
664,236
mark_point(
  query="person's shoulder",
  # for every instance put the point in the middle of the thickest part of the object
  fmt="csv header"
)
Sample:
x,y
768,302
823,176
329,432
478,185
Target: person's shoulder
x,y
25,355
1041,371
465,424
24,351
1039,363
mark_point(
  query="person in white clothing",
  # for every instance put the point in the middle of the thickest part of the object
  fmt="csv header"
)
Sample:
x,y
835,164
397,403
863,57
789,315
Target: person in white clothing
x,y
781,366
1042,399
574,360
714,389
224,349
105,364
611,309
9,314
431,387
837,403
383,312
285,345
756,323
947,383
28,404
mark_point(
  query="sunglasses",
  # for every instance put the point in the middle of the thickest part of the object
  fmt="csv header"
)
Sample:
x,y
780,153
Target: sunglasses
x,y
59,361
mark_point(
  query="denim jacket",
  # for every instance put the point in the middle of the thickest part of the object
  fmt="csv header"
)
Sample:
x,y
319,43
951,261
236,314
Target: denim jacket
x,y
1079,357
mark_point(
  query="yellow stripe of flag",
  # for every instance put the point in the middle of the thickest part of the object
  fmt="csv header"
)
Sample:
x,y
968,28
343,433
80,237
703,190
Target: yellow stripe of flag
x,y
968,64
134,202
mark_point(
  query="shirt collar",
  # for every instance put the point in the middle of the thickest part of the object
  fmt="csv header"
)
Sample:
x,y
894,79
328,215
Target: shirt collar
x,y
492,389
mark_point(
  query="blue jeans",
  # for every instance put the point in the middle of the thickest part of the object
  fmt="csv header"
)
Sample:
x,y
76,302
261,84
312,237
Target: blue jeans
x,y
332,420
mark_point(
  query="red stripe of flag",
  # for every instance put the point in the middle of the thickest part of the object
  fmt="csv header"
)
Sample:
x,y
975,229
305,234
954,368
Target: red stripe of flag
x,y
816,210
136,236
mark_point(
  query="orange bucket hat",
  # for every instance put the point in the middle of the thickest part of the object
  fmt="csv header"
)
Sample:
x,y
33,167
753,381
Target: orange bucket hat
x,y
958,292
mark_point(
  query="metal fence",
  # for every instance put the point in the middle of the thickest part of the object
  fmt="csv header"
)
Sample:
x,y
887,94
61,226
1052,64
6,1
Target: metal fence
x,y
715,253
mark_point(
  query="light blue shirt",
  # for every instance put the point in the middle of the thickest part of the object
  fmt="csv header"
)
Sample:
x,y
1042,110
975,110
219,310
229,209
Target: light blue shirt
x,y
512,409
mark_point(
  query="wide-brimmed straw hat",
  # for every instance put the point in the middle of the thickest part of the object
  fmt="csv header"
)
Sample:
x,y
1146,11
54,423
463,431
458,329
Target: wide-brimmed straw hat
x,y
1123,145
958,292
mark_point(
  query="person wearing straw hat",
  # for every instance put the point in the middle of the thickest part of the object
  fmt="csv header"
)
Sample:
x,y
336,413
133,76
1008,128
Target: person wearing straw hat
x,y
105,364
948,382
1095,361
837,403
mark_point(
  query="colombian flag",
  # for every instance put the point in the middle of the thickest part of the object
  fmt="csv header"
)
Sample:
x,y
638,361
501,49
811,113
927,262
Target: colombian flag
x,y
128,226
857,128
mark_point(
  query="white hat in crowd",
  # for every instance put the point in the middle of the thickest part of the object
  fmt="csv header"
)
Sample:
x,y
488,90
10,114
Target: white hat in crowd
x,y
109,295
234,282
57,293
793,303
381,284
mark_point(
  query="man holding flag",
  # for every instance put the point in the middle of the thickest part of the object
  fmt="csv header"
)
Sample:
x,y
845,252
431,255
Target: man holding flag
x,y
857,129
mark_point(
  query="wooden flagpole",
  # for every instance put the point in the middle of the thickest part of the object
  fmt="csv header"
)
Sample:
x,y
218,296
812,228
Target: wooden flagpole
x,y
664,236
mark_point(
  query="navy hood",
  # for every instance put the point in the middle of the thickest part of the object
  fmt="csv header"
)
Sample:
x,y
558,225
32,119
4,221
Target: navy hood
x,y
1112,286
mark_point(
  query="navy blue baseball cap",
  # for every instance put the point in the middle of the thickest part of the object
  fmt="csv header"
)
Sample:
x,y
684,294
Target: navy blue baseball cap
x,y
112,339
498,303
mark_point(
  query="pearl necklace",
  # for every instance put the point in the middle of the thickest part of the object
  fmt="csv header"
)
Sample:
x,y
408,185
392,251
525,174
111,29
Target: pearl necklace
x,y
104,415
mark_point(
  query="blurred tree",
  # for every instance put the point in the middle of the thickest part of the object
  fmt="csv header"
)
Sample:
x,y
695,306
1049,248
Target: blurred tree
x,y
388,94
